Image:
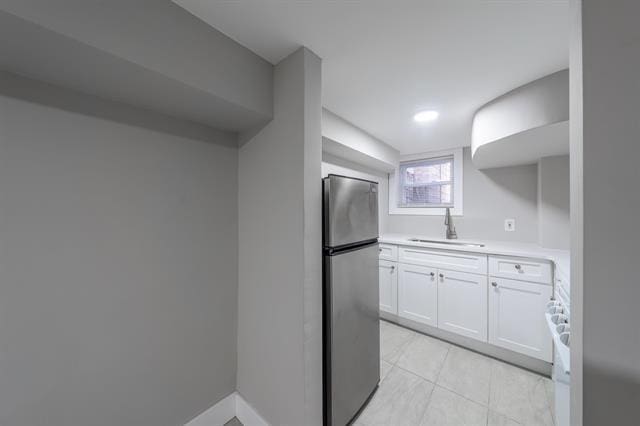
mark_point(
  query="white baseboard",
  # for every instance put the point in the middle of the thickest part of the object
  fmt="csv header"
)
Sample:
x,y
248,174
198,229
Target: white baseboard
x,y
246,414
217,415
231,406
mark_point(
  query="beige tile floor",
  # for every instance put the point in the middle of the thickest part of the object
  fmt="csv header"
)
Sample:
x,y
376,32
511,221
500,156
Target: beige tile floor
x,y
425,381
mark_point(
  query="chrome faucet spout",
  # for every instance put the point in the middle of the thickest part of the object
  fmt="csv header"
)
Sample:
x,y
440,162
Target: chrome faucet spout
x,y
448,222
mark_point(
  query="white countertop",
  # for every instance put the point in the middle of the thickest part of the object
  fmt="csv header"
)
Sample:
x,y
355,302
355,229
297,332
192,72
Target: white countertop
x,y
561,258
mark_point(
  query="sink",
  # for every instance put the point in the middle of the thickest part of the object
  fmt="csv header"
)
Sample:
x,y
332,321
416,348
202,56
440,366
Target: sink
x,y
451,243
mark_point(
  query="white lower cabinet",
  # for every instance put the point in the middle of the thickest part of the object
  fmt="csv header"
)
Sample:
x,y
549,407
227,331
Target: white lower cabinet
x,y
388,286
516,321
418,294
451,291
462,303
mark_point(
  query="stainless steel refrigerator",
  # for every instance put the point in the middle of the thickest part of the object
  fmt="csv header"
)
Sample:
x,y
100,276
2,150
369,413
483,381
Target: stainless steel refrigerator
x,y
350,296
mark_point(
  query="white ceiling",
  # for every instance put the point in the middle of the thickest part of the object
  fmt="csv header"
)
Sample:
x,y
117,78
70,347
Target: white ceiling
x,y
384,60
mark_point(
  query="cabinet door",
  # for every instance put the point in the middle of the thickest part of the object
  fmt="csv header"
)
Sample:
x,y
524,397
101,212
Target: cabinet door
x,y
516,317
418,294
389,286
462,303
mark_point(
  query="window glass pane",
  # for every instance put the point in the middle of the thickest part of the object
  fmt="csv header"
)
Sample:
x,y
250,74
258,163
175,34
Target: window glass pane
x,y
445,194
428,173
432,194
427,183
445,171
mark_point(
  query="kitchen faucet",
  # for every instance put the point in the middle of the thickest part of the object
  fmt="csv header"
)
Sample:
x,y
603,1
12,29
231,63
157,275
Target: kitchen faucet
x,y
448,222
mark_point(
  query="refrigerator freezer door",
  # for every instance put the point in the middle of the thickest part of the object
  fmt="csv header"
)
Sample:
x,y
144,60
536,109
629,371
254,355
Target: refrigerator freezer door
x,y
353,352
351,211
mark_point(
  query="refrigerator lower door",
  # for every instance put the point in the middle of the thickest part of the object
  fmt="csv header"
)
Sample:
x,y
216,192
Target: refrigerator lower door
x,y
352,332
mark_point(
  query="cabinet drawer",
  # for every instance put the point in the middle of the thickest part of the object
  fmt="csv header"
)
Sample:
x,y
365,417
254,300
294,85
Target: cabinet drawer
x,y
459,261
518,268
388,252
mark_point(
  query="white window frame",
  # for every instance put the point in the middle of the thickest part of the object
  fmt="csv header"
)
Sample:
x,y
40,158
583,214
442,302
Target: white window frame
x,y
458,190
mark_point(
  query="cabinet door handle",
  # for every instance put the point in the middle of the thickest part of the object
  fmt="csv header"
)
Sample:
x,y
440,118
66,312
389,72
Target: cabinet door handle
x,y
392,268
495,284
380,250
433,274
441,275
518,267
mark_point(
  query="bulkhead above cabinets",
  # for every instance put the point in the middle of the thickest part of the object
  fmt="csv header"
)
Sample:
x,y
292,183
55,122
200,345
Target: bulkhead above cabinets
x,y
523,125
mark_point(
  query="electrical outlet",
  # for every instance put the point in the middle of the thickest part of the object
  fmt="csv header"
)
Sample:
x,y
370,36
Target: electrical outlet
x,y
509,225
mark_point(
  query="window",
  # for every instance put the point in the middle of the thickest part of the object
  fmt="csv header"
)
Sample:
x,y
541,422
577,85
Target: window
x,y
426,183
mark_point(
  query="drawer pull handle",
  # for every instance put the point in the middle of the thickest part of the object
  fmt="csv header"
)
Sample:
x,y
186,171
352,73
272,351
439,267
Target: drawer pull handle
x,y
518,267
495,284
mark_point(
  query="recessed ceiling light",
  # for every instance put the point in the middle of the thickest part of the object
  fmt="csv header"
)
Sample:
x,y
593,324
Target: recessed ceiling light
x,y
426,116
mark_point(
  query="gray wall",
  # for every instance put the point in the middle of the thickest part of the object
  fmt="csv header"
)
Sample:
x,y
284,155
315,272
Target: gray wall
x,y
118,269
611,287
490,197
553,202
279,328
161,37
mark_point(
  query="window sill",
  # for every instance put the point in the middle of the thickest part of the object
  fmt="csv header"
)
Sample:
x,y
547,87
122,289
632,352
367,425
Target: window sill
x,y
418,211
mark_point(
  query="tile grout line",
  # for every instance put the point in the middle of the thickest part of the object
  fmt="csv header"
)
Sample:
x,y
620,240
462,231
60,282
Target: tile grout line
x,y
464,397
519,422
490,387
448,390
548,399
462,346
443,387
493,363
443,362
414,374
435,383
433,389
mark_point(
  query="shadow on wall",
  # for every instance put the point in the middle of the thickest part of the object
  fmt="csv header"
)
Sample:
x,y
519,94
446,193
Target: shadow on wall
x,y
553,180
37,92
492,195
503,177
622,391
119,269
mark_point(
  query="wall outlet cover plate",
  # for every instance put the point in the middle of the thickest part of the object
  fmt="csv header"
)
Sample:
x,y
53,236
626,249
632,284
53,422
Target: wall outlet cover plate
x,y
509,225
